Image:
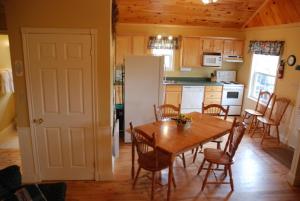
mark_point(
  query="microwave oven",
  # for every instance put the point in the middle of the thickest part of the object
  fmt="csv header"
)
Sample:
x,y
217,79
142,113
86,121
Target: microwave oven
x,y
212,59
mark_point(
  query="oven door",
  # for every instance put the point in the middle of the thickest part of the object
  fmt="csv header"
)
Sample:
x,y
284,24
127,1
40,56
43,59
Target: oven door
x,y
232,96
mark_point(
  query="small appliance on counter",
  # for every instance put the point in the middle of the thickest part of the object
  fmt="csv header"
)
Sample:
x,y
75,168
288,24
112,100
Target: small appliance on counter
x,y
232,92
212,59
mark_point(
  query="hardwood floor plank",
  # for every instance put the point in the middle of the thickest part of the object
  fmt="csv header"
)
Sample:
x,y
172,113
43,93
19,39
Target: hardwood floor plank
x,y
257,176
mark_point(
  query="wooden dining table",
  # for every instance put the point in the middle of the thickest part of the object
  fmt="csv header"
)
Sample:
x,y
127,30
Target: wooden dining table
x,y
174,141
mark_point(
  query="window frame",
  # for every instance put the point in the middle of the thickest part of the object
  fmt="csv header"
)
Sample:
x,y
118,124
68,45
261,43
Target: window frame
x,y
253,75
172,60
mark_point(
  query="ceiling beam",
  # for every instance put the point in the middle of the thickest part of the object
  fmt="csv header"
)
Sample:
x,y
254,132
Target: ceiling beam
x,y
255,13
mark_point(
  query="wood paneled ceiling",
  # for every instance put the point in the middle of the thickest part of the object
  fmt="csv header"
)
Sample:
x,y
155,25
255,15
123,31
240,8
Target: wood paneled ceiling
x,y
276,12
224,13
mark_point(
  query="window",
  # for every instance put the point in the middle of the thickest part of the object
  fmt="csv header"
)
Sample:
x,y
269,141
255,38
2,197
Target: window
x,y
263,74
168,57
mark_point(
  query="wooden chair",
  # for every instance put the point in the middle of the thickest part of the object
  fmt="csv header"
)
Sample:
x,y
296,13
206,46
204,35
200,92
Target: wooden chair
x,y
166,112
213,110
223,157
262,103
149,157
277,111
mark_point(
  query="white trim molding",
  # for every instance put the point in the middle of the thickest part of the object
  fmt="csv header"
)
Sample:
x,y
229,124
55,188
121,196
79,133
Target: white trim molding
x,y
29,172
294,173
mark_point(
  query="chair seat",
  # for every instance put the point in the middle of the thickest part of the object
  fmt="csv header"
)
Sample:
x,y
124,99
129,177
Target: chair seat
x,y
253,112
147,162
216,156
266,120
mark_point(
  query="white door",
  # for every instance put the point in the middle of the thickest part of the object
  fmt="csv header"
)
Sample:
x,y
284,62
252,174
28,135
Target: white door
x,y
60,72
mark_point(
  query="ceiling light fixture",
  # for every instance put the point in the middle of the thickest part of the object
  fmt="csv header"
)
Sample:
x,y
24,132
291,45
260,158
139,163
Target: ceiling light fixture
x,y
209,1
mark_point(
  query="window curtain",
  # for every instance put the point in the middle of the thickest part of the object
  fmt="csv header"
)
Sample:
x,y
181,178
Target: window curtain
x,y
274,48
163,43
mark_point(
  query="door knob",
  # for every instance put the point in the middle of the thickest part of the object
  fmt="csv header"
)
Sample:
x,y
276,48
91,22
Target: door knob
x,y
38,121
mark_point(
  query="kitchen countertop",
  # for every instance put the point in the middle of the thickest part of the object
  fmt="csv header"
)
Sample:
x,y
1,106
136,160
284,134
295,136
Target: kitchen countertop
x,y
191,81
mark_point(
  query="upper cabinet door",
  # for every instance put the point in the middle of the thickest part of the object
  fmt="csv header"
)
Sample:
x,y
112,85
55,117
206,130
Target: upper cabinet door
x,y
138,45
191,52
123,48
238,48
233,47
228,47
208,45
218,46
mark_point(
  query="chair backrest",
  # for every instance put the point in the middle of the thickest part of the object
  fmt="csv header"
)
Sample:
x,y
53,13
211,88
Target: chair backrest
x,y
263,101
278,109
142,141
166,111
215,110
235,137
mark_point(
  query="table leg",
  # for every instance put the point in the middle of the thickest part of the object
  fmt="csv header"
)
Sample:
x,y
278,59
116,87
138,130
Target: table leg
x,y
170,178
132,159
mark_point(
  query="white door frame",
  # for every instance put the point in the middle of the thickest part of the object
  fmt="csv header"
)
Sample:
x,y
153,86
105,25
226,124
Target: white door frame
x,y
95,94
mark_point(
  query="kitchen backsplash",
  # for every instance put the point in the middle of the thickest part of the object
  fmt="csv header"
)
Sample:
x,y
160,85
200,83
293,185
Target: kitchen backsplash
x,y
201,71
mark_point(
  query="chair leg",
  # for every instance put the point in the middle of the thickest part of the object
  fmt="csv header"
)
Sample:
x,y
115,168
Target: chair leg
x,y
136,176
231,179
225,171
195,154
255,127
183,160
173,181
265,132
206,176
278,137
152,188
251,124
201,166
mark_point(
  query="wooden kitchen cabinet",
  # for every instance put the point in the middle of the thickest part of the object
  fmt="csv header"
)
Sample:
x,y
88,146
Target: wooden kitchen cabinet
x,y
129,45
173,94
233,47
213,95
212,45
191,52
238,48
218,46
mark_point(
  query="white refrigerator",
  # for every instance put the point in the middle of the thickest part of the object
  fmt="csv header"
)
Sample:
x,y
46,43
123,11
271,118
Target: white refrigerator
x,y
143,88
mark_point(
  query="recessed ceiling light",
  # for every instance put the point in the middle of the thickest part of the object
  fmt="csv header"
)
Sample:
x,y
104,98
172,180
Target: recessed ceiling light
x,y
158,36
209,1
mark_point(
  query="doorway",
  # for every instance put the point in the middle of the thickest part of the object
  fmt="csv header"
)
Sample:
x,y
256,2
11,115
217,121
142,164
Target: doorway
x,y
9,142
60,77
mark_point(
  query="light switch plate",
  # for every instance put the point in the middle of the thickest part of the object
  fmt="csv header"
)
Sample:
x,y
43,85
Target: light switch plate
x,y
19,70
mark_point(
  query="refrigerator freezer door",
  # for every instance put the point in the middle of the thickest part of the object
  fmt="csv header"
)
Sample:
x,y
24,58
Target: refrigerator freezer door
x,y
143,89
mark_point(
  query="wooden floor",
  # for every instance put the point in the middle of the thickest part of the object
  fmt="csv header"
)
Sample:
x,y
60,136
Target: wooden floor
x,y
257,176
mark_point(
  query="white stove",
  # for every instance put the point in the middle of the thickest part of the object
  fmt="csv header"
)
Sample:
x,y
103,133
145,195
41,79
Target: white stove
x,y
232,92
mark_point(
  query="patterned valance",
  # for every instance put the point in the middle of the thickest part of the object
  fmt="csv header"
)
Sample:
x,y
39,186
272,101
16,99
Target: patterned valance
x,y
266,47
163,42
